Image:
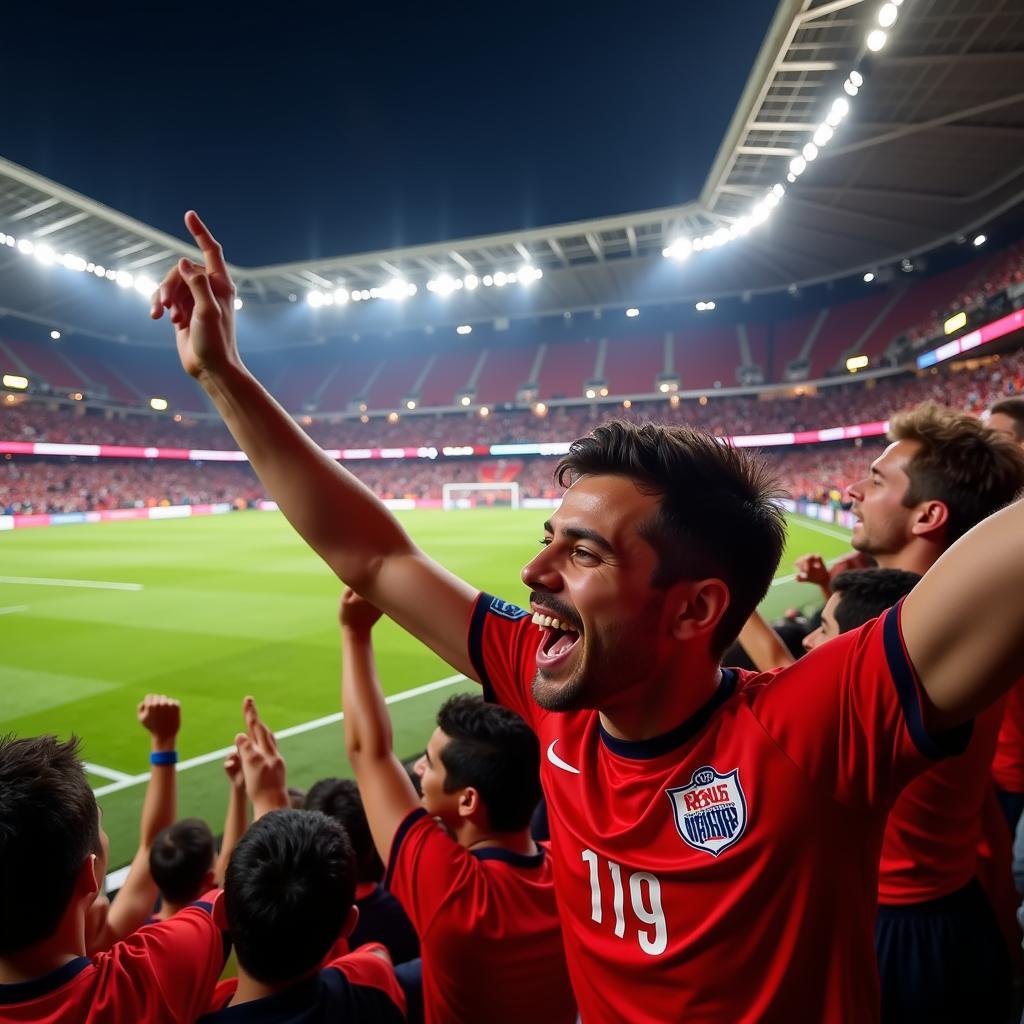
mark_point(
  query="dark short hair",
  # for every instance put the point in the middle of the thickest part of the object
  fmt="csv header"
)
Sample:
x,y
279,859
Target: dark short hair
x,y
339,799
969,468
49,826
493,750
1014,408
290,885
180,858
719,514
866,593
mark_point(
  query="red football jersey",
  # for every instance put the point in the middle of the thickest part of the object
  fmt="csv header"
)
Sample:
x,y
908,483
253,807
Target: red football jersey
x,y
490,935
726,871
356,988
165,972
930,845
1008,763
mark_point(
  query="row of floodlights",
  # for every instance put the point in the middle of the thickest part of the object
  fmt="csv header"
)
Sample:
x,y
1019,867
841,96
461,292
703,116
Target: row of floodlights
x,y
680,249
398,289
49,257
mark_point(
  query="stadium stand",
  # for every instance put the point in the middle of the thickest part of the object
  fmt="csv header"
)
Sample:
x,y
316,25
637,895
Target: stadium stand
x,y
448,375
504,371
631,366
565,368
707,358
47,363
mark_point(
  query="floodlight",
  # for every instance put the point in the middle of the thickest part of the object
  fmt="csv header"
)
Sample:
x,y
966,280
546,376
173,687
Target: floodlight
x,y
124,279
442,285
720,237
855,363
627,403
791,177
15,381
680,249
45,255
797,165
632,311
823,135
856,78
876,40
869,277
488,280
145,286
464,329
471,281
341,296
540,408
392,417
410,405
158,403
315,299
55,335
887,15
810,152
465,400
99,271
849,88
527,274
500,279
980,240
484,411
72,262
840,108
591,393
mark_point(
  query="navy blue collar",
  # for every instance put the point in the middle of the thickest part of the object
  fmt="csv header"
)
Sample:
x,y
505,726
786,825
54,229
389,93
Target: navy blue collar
x,y
281,1005
519,860
645,750
26,991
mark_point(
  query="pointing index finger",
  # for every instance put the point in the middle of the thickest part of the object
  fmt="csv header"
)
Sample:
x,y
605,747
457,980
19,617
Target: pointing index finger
x,y
213,254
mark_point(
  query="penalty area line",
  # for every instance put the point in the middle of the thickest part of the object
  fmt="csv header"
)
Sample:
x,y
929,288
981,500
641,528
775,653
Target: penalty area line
x,y
129,781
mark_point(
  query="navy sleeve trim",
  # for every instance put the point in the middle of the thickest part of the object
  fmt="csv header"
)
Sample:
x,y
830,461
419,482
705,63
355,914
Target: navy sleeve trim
x,y
476,645
947,744
26,991
400,833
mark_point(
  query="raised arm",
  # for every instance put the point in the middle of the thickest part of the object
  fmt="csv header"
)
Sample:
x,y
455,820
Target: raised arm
x,y
963,624
763,645
161,717
263,767
334,512
237,818
388,795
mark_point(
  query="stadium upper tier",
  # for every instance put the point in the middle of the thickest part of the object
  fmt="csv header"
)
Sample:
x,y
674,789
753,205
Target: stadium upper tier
x,y
853,402
886,327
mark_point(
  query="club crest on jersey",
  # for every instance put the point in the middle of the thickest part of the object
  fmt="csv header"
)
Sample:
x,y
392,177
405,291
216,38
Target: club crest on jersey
x,y
711,812
506,609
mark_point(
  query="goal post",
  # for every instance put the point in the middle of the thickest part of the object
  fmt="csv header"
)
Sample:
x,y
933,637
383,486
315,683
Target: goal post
x,y
480,495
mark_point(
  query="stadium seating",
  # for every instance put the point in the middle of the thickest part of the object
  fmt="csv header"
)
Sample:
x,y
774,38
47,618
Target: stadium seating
x,y
631,365
504,371
449,374
565,368
47,363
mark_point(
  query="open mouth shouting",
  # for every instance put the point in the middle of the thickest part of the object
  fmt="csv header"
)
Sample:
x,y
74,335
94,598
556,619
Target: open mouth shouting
x,y
559,643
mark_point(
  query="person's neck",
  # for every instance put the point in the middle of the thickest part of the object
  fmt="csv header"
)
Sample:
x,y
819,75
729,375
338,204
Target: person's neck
x,y
43,958
250,989
918,556
473,837
663,706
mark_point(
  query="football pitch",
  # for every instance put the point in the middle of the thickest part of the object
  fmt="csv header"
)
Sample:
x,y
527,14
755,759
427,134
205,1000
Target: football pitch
x,y
208,610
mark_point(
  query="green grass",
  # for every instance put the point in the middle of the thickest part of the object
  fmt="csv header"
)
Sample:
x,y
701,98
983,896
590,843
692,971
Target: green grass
x,y
229,606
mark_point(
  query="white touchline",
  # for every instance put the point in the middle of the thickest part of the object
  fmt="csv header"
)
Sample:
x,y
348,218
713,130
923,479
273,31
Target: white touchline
x,y
128,781
829,532
47,581
792,576
105,773
14,608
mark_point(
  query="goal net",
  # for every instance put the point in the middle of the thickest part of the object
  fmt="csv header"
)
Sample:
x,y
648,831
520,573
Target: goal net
x,y
493,495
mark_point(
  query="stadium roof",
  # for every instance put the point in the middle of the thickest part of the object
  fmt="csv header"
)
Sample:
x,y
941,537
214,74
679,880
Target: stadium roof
x,y
931,150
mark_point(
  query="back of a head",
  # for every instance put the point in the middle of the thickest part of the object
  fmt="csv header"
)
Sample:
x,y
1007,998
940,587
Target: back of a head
x,y
180,859
719,515
1012,409
865,593
49,826
289,888
961,463
340,799
493,750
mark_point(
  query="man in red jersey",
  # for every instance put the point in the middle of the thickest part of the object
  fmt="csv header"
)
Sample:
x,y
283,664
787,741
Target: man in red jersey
x,y
50,845
461,861
700,819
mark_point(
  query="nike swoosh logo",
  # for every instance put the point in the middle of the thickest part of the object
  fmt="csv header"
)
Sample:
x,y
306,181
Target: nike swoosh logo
x,y
558,762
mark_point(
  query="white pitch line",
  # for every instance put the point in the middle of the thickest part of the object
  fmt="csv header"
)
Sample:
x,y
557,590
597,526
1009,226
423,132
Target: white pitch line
x,y
105,773
128,781
46,581
812,524
14,609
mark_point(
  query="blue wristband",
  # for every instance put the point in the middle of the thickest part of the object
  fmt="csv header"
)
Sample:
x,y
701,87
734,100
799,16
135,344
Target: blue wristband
x,y
163,757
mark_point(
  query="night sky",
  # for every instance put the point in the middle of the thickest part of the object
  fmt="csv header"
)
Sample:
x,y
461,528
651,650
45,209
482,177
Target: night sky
x,y
309,130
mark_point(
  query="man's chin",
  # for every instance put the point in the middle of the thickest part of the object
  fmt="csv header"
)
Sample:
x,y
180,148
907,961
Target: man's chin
x,y
557,695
